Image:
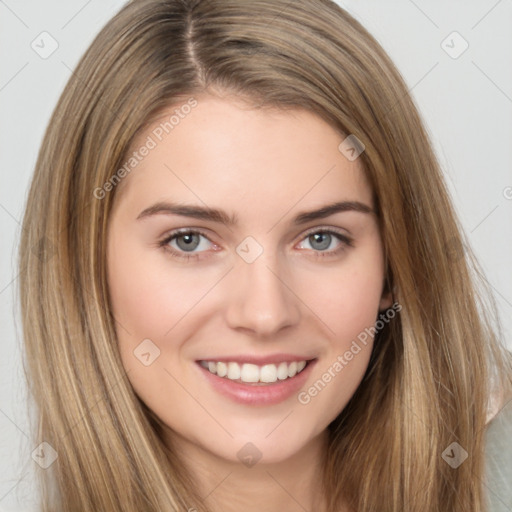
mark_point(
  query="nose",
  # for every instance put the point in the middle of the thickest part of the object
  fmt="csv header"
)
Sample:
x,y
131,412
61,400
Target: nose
x,y
261,302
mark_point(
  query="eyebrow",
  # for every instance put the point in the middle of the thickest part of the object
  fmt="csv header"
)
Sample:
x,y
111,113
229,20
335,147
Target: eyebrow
x,y
220,216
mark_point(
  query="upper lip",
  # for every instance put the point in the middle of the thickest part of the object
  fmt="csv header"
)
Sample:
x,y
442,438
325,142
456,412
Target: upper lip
x,y
258,360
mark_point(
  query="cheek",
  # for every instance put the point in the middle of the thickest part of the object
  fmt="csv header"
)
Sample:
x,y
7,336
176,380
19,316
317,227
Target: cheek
x,y
347,304
148,302
346,298
147,299
349,309
137,298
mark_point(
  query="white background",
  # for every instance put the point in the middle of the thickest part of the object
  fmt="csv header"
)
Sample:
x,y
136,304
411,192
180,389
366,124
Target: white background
x,y
466,103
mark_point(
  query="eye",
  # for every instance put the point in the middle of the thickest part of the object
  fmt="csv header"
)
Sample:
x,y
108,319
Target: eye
x,y
320,240
190,244
181,242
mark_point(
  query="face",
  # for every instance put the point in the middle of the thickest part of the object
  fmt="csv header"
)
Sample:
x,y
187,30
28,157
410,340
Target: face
x,y
224,255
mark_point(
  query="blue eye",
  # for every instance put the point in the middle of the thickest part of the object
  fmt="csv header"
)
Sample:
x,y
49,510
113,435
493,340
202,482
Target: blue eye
x,y
186,241
321,239
190,241
183,243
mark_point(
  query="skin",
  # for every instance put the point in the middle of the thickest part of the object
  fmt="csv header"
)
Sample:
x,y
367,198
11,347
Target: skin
x,y
266,167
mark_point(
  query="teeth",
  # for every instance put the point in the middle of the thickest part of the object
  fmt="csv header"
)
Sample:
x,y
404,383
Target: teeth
x,y
249,373
252,373
268,373
233,371
282,371
222,369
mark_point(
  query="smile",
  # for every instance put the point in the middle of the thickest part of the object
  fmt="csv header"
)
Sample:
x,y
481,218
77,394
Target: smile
x,y
252,373
257,385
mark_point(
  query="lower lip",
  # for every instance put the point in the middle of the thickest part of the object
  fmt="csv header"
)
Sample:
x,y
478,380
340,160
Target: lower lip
x,y
258,394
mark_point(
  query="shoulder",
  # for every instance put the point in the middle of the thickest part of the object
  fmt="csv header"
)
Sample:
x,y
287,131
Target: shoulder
x,y
498,458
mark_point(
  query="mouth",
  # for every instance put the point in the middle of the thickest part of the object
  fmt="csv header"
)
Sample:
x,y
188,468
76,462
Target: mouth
x,y
264,384
249,373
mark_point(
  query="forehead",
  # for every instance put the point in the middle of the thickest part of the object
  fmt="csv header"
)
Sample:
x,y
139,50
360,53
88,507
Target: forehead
x,y
224,150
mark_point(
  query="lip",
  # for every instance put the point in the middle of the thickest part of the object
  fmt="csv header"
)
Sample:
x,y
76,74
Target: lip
x,y
257,393
259,360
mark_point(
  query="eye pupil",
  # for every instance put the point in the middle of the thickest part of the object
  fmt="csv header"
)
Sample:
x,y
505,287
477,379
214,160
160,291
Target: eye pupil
x,y
324,239
191,241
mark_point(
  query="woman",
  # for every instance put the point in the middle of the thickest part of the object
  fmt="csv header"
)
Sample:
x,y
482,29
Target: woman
x,y
257,297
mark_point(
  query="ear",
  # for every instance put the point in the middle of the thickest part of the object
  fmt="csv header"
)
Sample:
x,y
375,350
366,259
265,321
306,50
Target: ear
x,y
386,299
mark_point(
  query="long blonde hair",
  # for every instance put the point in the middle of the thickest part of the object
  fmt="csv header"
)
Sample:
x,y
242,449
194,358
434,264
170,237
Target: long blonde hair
x,y
433,368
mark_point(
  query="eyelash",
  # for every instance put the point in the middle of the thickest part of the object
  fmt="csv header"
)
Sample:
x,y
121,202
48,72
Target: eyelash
x,y
346,242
